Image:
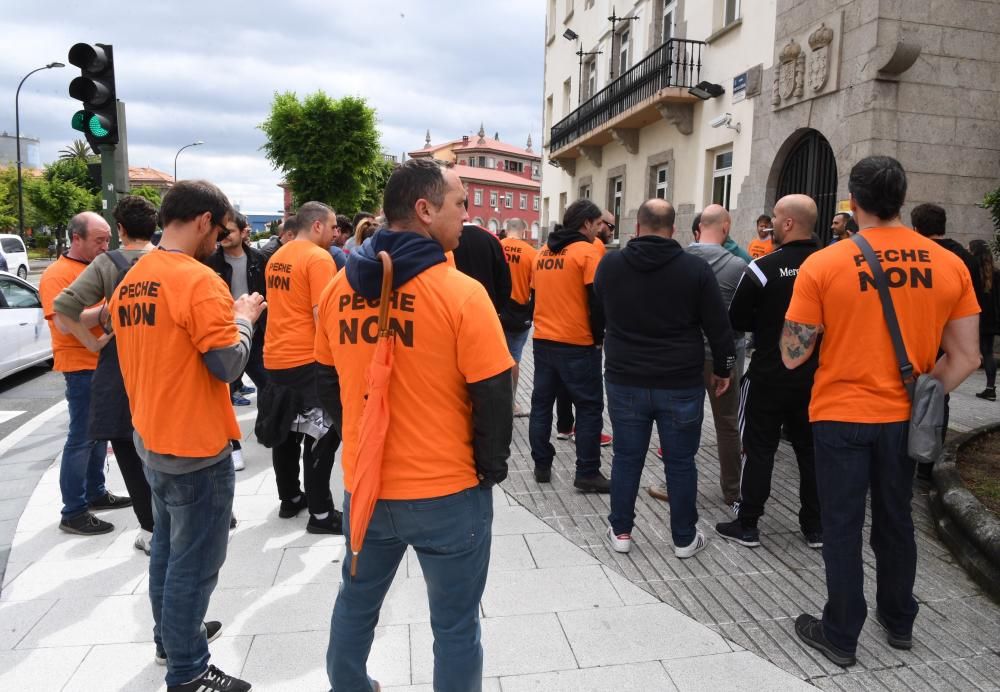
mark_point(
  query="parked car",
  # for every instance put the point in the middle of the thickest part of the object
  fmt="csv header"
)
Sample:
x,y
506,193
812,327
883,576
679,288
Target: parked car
x,y
26,338
13,250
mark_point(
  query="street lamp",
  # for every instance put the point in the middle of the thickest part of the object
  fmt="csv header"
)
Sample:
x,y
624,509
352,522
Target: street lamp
x,y
571,35
192,144
17,136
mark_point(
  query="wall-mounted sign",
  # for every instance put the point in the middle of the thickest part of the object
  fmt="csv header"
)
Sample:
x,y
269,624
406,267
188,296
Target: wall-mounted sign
x,y
739,87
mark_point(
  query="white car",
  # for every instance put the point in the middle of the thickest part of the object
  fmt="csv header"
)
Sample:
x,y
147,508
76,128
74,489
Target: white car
x,y
26,338
13,250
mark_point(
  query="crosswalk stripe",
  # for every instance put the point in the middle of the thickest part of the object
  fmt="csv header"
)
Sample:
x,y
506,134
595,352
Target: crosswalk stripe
x,y
9,415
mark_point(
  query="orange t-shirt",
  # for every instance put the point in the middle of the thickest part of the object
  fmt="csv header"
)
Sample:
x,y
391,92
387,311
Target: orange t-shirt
x,y
521,261
168,311
68,353
599,244
858,379
759,248
560,281
447,335
296,276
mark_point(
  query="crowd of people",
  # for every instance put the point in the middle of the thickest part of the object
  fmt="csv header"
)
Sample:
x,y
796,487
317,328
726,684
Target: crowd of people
x,y
786,339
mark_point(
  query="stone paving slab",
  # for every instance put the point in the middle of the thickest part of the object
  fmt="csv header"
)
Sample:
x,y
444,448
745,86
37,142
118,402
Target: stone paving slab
x,y
752,596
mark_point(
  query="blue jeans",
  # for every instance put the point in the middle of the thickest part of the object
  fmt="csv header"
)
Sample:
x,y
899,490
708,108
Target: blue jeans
x,y
578,368
191,513
451,536
516,342
678,414
852,458
81,472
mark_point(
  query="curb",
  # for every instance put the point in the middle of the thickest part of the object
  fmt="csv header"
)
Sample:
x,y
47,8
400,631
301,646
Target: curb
x,y
970,531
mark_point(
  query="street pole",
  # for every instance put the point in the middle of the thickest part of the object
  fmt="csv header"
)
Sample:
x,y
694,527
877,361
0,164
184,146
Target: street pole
x,y
192,144
17,137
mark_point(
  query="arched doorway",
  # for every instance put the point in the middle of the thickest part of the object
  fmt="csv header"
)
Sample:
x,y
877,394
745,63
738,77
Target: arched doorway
x,y
494,226
811,169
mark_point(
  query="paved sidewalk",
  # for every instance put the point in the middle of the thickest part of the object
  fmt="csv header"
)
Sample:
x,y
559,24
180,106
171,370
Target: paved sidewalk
x,y
74,614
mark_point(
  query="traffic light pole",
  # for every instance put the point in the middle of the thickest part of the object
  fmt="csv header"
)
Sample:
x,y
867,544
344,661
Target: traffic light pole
x,y
114,175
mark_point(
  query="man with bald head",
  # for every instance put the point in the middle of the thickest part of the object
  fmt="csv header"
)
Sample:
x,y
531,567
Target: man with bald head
x,y
713,232
773,396
81,471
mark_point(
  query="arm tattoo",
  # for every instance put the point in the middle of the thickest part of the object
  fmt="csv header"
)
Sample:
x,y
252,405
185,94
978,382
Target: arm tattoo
x,y
798,340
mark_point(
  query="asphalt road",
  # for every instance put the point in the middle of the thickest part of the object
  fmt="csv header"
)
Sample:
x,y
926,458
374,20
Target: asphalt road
x,y
29,392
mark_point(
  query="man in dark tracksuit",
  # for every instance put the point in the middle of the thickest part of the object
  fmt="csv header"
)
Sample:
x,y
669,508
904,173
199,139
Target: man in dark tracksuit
x,y
771,394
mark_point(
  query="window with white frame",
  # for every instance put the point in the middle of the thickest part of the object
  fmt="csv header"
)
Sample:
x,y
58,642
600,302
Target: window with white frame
x,y
493,199
534,203
523,201
660,182
731,12
623,52
591,68
616,187
669,19
508,200
477,198
722,178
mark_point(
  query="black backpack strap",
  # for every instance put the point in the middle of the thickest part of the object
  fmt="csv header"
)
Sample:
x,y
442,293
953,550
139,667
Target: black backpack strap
x,y
121,262
889,311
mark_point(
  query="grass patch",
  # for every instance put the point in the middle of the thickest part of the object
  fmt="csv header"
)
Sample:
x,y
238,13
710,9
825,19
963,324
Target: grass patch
x,y
979,466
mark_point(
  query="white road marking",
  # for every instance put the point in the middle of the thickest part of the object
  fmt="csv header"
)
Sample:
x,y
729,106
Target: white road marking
x,y
9,415
32,425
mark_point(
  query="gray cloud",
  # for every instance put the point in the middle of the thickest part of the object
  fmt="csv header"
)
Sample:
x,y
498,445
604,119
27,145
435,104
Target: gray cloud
x,y
208,70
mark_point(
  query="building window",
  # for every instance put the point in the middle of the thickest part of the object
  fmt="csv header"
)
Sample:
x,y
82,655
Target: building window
x,y
491,162
482,162
494,225
534,203
523,201
535,173
552,19
660,182
585,192
513,166
567,87
722,178
477,198
623,52
562,206
548,111
591,69
616,189
472,162
493,199
669,19
731,12
508,200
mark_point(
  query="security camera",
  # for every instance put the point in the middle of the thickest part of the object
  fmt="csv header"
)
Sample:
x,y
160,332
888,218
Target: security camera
x,y
723,119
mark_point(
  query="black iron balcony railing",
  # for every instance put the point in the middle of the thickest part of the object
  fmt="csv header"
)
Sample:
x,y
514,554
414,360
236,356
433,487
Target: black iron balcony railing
x,y
676,63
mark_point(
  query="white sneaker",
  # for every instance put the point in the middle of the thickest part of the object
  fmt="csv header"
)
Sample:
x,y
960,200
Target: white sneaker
x,y
621,543
144,541
238,462
564,436
697,545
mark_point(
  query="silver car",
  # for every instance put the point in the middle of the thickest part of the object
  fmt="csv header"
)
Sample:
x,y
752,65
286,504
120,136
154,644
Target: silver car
x,y
24,331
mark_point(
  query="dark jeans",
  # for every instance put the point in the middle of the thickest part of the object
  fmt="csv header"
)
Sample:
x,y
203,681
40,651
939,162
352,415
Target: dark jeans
x,y
564,411
678,414
764,408
989,362
851,459
192,512
315,472
81,471
255,365
130,465
451,536
578,368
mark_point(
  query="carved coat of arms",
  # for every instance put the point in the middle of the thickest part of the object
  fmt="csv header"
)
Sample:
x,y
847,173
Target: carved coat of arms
x,y
789,70
819,61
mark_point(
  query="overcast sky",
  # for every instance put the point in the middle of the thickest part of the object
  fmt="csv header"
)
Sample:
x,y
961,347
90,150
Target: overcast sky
x,y
208,70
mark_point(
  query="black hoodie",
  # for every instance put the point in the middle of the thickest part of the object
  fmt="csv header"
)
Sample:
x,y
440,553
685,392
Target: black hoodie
x,y
657,301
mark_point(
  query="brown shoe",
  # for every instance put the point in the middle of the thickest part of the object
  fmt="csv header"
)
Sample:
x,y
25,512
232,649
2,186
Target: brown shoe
x,y
659,492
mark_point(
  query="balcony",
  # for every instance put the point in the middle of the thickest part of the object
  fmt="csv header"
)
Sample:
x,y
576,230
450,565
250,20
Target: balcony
x,y
652,89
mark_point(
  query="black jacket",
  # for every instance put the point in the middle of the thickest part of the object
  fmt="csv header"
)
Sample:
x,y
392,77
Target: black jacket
x,y
967,259
759,306
256,263
989,303
480,255
657,301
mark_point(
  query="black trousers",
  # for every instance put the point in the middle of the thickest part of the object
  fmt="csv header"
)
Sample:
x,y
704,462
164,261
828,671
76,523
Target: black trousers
x,y
130,465
315,472
564,410
764,408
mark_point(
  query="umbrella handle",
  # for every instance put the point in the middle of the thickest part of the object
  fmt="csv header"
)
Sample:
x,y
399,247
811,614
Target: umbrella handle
x,y
383,305
354,565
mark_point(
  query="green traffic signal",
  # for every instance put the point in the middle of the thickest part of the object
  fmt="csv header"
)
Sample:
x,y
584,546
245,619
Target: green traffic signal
x,y
79,120
91,123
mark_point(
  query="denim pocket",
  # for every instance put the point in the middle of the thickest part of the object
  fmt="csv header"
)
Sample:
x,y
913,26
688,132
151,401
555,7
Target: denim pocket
x,y
689,410
450,524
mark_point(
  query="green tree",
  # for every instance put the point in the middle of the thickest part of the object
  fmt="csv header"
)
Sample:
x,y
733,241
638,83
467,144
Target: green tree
x,y
327,149
150,193
79,149
992,204
374,182
71,171
65,189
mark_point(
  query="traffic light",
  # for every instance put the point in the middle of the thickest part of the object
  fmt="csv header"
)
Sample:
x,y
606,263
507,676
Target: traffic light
x,y
95,87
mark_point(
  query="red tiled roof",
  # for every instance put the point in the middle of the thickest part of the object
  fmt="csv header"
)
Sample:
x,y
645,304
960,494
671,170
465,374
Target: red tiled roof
x,y
489,175
141,173
460,146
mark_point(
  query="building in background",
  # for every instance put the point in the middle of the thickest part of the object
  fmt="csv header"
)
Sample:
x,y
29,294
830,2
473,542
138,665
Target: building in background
x,y
31,157
143,176
501,180
741,102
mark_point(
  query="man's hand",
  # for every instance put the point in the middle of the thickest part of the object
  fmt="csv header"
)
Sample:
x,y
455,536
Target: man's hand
x,y
249,307
96,344
720,384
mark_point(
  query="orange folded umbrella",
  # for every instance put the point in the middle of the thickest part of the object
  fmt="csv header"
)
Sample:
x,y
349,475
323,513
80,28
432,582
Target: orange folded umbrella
x,y
374,422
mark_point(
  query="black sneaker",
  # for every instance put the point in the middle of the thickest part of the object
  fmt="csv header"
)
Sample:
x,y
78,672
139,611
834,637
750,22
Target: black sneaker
x,y
334,523
814,539
810,630
593,484
213,630
543,474
109,501
291,508
86,524
735,531
990,394
213,680
896,641
232,522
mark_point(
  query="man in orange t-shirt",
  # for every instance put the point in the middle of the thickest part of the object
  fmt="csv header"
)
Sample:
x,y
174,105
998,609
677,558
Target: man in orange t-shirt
x,y
448,438
181,341
81,470
569,331
516,315
762,244
296,276
860,409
